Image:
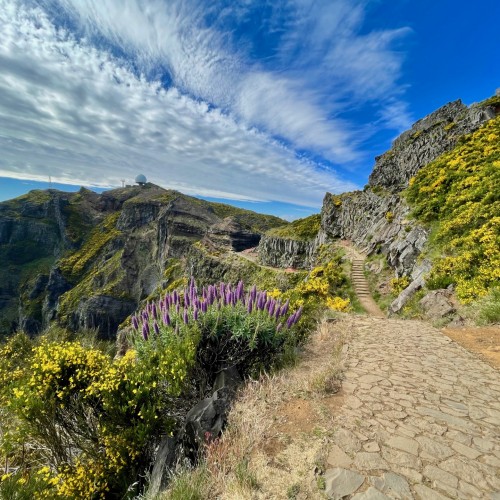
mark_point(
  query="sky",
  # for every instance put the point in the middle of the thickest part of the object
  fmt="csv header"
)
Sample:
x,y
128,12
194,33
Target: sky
x,y
266,104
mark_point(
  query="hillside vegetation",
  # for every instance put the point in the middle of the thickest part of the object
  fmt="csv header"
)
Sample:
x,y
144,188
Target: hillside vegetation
x,y
300,229
458,196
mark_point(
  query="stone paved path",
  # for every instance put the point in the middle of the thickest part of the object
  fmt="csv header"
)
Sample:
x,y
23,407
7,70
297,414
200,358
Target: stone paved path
x,y
421,417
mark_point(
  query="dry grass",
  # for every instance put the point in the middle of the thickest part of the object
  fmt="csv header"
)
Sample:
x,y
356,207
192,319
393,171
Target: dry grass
x,y
278,428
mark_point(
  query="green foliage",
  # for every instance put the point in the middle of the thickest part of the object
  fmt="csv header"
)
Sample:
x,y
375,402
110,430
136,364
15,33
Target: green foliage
x,y
488,308
300,229
397,285
60,397
254,221
75,265
187,485
459,194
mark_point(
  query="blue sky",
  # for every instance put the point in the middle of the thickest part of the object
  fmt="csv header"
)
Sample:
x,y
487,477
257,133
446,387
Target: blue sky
x,y
265,104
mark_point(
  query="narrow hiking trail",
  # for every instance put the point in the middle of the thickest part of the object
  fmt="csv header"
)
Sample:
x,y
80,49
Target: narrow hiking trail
x,y
420,419
417,415
361,288
421,415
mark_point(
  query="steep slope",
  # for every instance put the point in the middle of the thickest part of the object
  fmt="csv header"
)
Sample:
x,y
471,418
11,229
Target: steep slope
x,y
379,219
87,259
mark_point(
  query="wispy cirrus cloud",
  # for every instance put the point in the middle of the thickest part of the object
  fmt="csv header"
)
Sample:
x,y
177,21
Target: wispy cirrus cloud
x,y
94,91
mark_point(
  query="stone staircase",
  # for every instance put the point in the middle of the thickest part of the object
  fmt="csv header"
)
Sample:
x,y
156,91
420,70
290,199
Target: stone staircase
x,y
362,290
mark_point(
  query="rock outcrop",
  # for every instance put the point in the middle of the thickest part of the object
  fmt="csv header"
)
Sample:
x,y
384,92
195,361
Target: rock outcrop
x,y
428,138
375,219
284,252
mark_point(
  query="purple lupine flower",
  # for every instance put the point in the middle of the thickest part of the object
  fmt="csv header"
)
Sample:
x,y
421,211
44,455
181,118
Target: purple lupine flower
x,y
166,318
145,315
204,307
195,314
135,322
156,328
222,289
145,331
185,317
284,309
250,307
290,321
298,314
253,293
154,311
187,301
272,305
239,290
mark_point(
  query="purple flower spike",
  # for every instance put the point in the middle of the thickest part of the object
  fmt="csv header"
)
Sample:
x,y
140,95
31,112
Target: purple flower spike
x,y
166,318
195,314
284,309
135,322
239,290
145,331
271,308
154,311
279,327
298,314
222,289
185,317
250,307
156,328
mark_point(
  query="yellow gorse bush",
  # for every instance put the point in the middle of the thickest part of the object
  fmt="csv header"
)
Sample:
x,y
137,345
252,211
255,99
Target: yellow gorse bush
x,y
459,195
65,396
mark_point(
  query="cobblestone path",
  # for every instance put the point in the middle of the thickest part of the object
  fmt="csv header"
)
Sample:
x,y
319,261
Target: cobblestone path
x,y
421,417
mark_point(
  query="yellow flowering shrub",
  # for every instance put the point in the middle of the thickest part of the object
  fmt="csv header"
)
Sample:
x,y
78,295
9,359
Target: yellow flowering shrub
x,y
459,195
397,285
60,397
338,304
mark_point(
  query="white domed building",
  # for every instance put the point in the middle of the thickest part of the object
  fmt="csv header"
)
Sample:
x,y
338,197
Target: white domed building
x,y
141,180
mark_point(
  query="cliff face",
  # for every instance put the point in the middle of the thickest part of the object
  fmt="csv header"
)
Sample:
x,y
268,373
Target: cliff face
x,y
376,219
428,138
282,252
87,260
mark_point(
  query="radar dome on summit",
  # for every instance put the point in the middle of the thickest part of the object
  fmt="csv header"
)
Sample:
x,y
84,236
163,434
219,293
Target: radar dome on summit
x,y
141,180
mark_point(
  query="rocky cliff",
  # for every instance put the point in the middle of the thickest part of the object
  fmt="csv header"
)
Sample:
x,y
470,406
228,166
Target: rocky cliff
x,y
88,259
375,219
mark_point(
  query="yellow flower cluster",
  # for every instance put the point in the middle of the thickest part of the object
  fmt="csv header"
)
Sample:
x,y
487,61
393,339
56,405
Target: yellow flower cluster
x,y
338,304
458,194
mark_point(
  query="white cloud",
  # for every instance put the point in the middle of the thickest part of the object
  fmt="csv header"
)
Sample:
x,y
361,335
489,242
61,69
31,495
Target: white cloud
x,y
323,62
74,112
